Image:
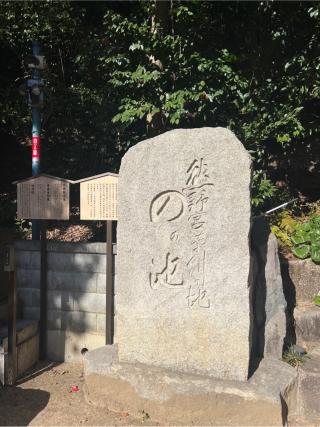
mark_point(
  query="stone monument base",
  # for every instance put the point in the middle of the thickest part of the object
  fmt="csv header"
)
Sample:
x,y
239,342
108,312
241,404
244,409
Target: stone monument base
x,y
170,397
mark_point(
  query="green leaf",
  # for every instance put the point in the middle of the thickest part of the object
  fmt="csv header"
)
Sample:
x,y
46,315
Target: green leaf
x,y
136,46
300,237
315,221
315,237
306,226
315,253
302,251
316,300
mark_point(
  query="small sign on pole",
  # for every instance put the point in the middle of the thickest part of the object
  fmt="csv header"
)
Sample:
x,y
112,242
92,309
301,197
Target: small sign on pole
x,y
43,197
98,197
99,201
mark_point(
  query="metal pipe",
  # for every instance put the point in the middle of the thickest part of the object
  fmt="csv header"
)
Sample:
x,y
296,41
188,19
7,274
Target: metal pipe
x,y
109,285
280,206
36,138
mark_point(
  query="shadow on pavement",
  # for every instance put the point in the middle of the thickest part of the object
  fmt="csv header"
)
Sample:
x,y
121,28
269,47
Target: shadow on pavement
x,y
18,407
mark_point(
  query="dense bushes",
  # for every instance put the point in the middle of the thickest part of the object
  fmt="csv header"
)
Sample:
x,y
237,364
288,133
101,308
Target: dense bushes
x,y
120,72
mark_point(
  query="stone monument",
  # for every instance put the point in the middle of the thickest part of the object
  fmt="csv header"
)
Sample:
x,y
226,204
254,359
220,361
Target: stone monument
x,y
198,295
182,286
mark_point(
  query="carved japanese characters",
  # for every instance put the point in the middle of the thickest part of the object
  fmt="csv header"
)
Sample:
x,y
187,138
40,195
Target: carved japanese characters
x,y
182,285
171,205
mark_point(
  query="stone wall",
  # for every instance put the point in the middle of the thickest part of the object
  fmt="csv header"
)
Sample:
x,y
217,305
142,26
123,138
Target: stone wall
x,y
76,293
76,281
301,279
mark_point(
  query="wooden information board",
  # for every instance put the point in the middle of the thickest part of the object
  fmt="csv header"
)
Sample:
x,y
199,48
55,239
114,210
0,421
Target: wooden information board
x,y
43,197
98,198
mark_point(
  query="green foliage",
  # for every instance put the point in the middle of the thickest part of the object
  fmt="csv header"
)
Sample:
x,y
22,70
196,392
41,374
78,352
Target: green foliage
x,y
306,240
282,236
293,357
302,251
262,189
7,210
316,300
23,228
300,235
283,226
119,72
287,222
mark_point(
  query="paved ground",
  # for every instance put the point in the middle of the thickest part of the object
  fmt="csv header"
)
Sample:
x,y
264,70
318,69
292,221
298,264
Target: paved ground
x,y
44,398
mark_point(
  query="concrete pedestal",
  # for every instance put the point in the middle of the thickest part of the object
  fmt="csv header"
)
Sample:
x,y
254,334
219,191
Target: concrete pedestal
x,y
171,397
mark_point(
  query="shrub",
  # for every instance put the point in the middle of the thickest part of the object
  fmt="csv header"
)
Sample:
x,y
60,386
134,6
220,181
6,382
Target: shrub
x,y
306,240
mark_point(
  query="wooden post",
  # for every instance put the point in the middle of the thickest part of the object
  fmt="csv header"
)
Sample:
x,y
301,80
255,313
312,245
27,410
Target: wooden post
x,y
109,285
43,291
12,316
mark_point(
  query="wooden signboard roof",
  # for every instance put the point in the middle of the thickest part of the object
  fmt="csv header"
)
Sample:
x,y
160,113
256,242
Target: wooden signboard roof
x,y
91,178
57,178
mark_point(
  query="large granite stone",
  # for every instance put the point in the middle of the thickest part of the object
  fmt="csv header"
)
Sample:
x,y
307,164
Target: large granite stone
x,y
183,264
